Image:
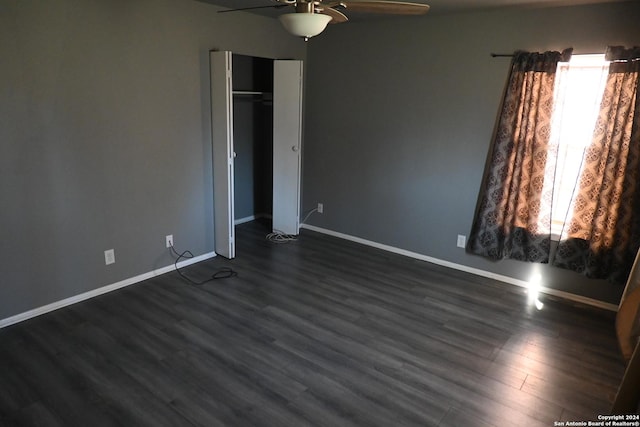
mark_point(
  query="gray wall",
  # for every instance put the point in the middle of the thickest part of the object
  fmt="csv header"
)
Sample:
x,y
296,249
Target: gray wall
x,y
400,114
105,137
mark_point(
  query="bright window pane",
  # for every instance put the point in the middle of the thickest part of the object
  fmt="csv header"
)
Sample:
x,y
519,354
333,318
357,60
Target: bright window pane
x,y
579,87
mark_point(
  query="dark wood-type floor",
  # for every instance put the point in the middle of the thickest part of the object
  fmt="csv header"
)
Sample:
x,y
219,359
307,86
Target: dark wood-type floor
x,y
320,331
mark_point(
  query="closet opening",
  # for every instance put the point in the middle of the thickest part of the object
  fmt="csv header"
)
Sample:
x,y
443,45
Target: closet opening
x,y
253,139
256,137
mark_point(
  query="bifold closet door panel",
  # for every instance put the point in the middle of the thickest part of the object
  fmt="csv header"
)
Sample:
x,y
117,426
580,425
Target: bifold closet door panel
x,y
287,140
222,152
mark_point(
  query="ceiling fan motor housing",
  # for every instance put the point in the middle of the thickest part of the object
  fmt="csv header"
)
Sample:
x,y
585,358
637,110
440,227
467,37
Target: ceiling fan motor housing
x,y
305,7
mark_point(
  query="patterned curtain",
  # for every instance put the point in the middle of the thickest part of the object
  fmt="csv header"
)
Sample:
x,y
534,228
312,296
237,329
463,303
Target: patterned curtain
x,y
603,234
507,222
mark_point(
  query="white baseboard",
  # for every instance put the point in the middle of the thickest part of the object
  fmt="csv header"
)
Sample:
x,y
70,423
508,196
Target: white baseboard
x,y
478,272
132,280
250,218
95,292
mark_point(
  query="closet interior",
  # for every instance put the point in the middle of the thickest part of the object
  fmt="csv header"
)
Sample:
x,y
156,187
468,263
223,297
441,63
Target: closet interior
x,y
253,137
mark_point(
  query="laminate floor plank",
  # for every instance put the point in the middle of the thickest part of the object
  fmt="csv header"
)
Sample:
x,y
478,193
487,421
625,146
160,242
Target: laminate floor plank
x,y
62,390
130,332
37,414
359,393
203,410
316,332
232,385
370,381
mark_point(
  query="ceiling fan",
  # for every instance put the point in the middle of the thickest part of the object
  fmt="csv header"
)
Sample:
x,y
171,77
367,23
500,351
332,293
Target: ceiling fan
x,y
311,17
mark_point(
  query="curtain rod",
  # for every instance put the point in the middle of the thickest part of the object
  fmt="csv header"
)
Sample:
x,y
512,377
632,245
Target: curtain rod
x,y
501,55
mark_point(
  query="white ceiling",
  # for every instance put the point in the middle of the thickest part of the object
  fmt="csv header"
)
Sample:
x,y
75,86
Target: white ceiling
x,y
437,6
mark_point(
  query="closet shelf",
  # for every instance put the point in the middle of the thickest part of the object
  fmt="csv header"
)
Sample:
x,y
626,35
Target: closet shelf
x,y
250,92
255,96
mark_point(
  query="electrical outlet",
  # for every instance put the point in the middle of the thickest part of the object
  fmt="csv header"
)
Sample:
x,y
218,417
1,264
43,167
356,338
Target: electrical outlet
x,y
109,257
169,240
320,208
462,240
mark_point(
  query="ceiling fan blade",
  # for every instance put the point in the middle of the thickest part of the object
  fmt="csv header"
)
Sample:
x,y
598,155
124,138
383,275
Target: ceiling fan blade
x,y
273,6
337,17
384,6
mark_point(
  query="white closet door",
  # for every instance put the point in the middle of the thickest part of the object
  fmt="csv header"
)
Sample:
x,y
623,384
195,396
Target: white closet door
x,y
222,140
287,140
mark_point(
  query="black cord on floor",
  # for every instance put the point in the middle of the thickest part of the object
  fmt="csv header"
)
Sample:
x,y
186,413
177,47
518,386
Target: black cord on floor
x,y
280,237
223,273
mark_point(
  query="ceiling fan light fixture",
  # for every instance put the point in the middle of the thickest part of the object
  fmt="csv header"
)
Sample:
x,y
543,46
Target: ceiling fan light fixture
x,y
304,25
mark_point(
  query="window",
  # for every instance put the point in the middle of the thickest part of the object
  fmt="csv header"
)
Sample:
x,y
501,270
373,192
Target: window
x,y
585,115
577,95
